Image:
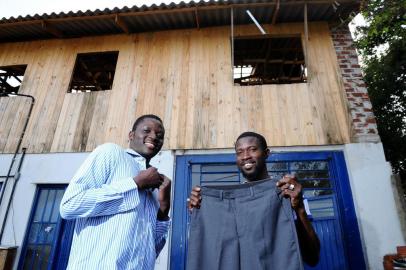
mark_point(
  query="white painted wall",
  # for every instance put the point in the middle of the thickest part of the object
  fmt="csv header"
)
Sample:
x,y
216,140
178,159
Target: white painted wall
x,y
378,219
55,168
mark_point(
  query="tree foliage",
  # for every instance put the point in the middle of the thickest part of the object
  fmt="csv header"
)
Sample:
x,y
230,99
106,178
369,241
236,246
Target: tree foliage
x,y
385,74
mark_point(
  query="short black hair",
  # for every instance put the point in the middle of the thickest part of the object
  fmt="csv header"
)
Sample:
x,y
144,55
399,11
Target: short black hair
x,y
260,138
145,116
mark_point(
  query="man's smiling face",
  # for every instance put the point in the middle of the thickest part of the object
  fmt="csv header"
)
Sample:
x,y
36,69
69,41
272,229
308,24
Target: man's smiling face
x,y
251,158
148,137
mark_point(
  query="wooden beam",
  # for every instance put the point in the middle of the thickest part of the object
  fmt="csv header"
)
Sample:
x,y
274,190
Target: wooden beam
x,y
232,43
276,11
273,61
273,50
306,32
51,29
120,23
306,28
16,78
267,36
197,19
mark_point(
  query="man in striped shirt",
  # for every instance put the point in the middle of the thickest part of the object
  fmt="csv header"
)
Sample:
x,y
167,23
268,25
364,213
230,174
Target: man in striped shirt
x,y
120,203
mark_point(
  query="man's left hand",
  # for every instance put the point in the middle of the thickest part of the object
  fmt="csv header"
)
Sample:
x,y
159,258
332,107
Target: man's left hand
x,y
292,189
164,198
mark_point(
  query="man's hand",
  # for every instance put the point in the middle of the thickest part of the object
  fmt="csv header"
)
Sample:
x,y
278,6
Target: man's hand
x,y
291,188
164,198
149,178
195,198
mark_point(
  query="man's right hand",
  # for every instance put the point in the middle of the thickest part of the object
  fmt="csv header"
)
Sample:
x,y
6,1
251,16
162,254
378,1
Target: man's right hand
x,y
195,198
148,178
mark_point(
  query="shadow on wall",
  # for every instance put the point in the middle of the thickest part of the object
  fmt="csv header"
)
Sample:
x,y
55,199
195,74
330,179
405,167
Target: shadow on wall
x,y
399,192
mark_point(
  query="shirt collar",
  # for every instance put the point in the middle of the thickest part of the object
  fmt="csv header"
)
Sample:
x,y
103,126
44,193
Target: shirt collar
x,y
132,152
138,158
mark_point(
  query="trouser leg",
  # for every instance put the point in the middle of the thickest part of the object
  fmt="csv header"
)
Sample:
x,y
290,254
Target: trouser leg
x,y
213,244
267,233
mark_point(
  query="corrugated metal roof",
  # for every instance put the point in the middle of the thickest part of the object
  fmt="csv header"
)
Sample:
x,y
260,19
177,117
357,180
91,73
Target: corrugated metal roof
x,y
168,16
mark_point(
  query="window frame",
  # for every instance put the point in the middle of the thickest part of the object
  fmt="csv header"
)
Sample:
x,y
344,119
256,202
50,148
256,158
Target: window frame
x,y
269,36
70,90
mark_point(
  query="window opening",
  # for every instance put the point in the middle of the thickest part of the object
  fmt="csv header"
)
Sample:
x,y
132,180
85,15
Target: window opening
x,y
269,60
93,72
11,78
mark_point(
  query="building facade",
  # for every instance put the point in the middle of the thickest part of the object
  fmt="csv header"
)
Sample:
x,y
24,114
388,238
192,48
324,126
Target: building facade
x,y
210,73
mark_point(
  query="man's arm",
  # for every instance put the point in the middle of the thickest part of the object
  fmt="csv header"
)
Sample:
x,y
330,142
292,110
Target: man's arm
x,y
163,220
308,240
88,195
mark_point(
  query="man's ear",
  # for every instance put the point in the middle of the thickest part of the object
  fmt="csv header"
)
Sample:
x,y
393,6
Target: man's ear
x,y
267,152
131,135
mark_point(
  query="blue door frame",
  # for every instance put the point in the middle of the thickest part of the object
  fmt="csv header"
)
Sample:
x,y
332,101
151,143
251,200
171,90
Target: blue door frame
x,y
337,168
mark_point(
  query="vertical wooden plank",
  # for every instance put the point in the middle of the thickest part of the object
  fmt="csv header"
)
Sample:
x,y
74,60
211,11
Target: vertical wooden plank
x,y
180,129
97,127
175,72
84,122
260,119
191,122
207,48
78,106
144,59
5,106
18,116
58,142
9,131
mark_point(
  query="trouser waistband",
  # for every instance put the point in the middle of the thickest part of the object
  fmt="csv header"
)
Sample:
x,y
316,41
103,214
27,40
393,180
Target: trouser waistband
x,y
240,190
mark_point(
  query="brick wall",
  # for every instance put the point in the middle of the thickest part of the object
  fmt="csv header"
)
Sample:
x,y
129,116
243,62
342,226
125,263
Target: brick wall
x,y
364,127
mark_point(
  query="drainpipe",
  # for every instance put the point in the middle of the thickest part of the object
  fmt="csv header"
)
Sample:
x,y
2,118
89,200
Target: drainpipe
x,y
16,177
14,158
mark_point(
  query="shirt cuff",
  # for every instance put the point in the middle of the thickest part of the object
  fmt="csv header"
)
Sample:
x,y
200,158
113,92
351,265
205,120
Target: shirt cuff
x,y
162,227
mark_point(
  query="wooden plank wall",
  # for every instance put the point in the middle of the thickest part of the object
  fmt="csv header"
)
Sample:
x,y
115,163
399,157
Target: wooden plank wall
x,y
184,76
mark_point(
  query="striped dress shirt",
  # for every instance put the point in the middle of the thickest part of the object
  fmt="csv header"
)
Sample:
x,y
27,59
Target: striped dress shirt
x,y
116,223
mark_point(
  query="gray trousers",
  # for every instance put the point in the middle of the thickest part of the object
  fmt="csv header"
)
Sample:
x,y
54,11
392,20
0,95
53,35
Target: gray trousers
x,y
243,227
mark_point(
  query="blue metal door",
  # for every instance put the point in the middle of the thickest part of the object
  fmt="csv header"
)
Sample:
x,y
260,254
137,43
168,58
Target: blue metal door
x,y
325,184
48,236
